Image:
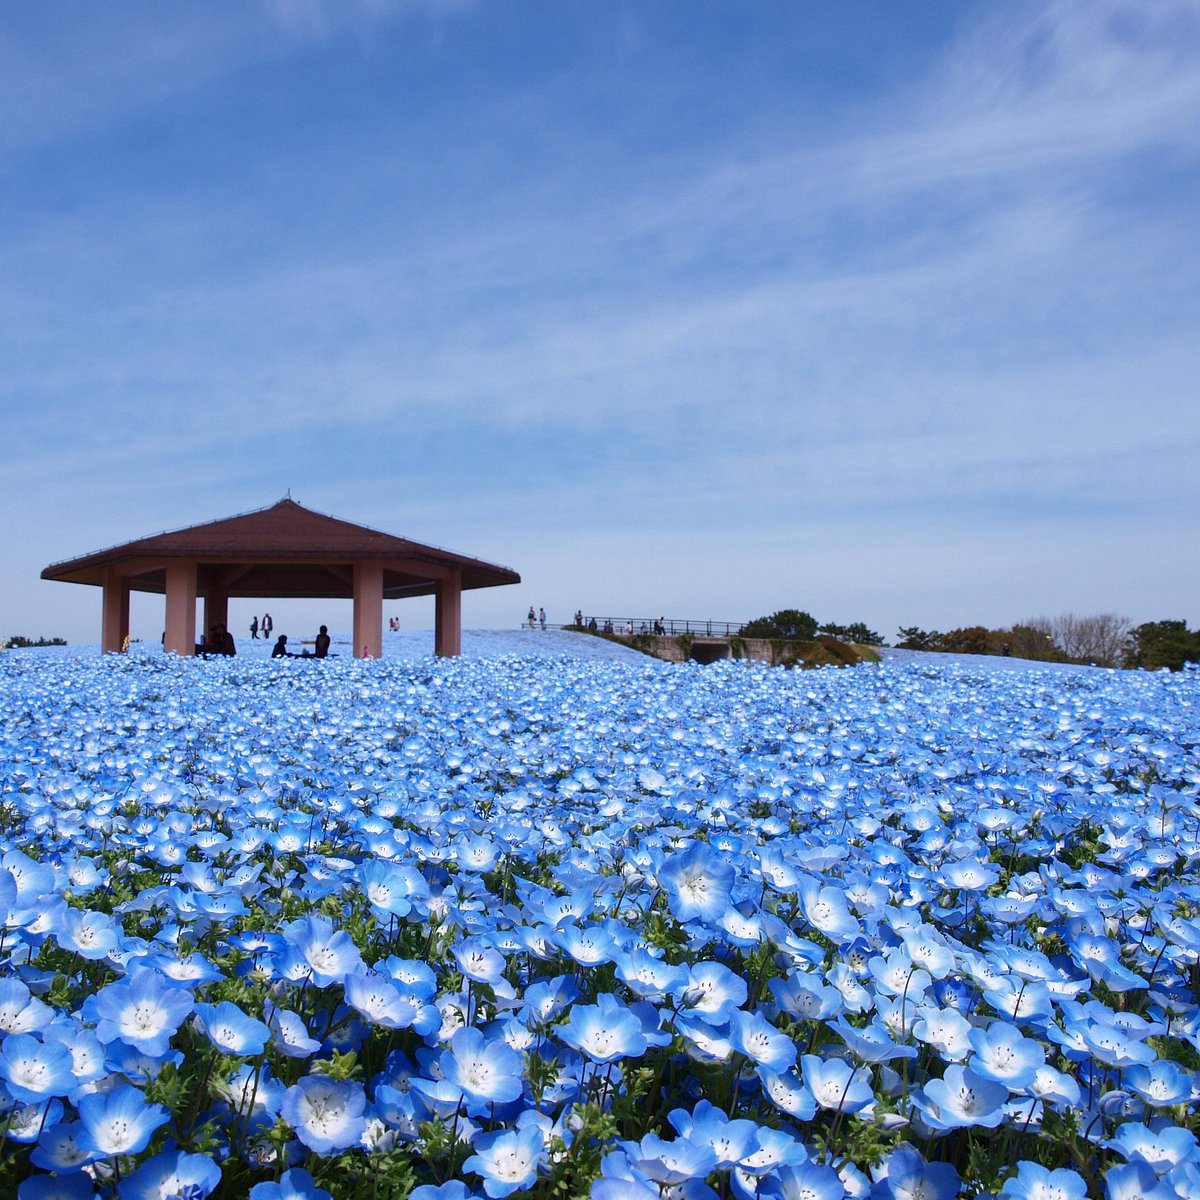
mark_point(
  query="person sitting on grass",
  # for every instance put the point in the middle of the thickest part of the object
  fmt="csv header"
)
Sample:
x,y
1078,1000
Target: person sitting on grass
x,y
320,645
280,650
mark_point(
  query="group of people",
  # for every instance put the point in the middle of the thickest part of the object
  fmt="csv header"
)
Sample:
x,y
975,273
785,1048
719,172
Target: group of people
x,y
265,626
321,644
536,618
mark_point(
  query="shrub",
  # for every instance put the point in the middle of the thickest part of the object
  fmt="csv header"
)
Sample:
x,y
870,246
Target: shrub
x,y
789,624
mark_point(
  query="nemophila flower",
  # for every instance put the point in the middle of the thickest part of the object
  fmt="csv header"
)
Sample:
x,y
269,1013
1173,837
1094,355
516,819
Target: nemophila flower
x,y
416,978
825,908
672,1162
905,1175
704,1042
231,1030
253,1095
929,951
387,888
713,992
1161,1148
507,1160
294,1184
453,1190
648,976
806,996
1113,1046
961,1099
604,1031
1160,1083
697,883
968,875
479,961
118,1122
897,975
807,1181
855,997
1004,1054
25,1122
85,1048
754,1036
34,1070
187,970
1136,1181
486,1070
731,1141
318,952
1019,1000
73,1186
1101,958
872,1043
137,1066
142,1010
21,1012
790,1094
58,1148
90,934
1054,1087
325,1114
945,1029
377,999
1035,1182
171,1176
588,945
837,1085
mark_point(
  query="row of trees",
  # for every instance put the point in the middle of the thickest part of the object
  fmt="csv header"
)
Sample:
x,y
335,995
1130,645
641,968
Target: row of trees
x,y
795,625
1106,640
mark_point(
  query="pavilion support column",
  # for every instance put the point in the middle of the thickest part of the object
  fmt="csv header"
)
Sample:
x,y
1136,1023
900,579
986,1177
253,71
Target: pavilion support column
x,y
216,608
447,617
114,620
181,609
368,609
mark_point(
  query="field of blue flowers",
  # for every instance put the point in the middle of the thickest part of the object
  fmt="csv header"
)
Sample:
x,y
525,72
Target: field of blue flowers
x,y
558,928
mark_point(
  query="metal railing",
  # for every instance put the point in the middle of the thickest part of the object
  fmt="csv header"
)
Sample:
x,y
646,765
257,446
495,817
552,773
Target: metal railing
x,y
663,626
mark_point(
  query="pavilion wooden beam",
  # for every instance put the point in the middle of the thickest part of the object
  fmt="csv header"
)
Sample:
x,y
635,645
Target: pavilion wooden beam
x,y
447,617
180,635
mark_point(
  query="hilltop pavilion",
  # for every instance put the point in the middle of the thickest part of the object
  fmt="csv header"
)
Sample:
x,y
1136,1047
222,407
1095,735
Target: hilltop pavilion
x,y
285,551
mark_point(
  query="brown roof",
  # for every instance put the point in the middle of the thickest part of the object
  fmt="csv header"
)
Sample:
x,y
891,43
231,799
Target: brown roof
x,y
284,550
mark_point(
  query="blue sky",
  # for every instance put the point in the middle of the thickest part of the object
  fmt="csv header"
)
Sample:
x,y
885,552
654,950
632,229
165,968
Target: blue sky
x,y
888,312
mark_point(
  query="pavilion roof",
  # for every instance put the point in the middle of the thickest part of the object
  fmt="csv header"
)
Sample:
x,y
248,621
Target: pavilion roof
x,y
289,547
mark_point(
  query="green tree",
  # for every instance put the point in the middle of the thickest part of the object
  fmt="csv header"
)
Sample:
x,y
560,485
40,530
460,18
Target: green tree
x,y
1159,644
789,623
912,638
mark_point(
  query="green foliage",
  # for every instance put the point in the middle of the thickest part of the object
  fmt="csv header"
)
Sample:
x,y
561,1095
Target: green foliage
x,y
1158,644
971,640
913,638
20,643
789,623
686,642
856,632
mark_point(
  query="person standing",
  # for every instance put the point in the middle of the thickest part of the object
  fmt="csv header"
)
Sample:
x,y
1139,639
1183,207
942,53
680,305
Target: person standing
x,y
542,618
266,627
254,628
532,618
